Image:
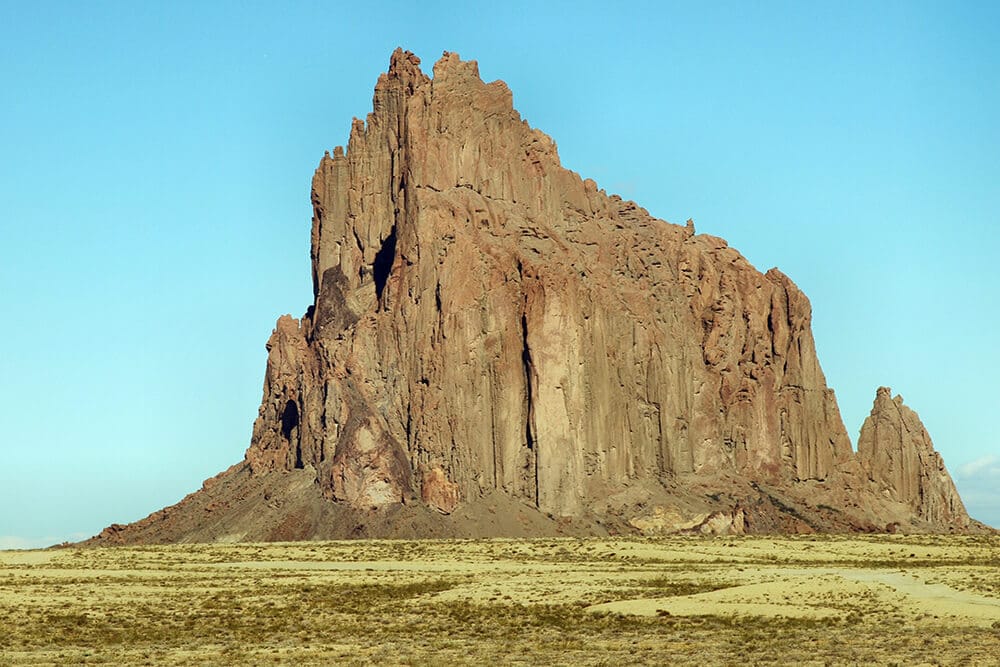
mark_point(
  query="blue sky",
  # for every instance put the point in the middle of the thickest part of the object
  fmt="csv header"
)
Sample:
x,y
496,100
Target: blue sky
x,y
154,202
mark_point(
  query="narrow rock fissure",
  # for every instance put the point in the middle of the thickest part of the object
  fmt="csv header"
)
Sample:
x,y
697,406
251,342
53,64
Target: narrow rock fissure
x,y
526,362
383,262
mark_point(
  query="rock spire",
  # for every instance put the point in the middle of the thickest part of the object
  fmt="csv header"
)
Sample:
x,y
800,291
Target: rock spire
x,y
896,450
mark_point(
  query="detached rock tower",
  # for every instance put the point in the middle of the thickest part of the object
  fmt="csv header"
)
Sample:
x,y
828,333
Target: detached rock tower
x,y
897,452
496,346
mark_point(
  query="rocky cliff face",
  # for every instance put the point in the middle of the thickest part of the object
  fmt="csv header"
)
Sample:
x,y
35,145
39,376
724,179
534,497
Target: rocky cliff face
x,y
485,319
487,324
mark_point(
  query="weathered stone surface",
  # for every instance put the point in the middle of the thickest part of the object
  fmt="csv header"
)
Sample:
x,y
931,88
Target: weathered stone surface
x,y
666,520
896,450
490,316
489,328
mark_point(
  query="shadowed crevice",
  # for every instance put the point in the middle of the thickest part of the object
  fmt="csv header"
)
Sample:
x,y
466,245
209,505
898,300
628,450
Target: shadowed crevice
x,y
382,265
529,437
290,430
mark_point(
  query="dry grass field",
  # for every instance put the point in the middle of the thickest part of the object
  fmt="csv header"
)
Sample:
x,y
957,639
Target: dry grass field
x,y
901,600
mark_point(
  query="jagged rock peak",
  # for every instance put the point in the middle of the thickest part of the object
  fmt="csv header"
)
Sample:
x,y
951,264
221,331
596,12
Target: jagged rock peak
x,y
404,70
451,64
502,325
896,451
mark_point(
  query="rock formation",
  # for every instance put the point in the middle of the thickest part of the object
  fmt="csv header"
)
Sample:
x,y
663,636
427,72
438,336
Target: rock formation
x,y
897,453
490,330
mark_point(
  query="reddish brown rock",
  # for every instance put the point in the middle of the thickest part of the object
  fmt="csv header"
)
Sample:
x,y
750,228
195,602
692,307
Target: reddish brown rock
x,y
896,451
489,328
484,313
438,492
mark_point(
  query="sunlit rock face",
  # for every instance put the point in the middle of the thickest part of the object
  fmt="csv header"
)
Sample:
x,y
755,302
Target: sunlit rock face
x,y
489,325
485,314
897,452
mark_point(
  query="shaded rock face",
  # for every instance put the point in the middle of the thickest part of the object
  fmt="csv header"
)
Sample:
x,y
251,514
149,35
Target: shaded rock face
x,y
896,450
491,332
487,320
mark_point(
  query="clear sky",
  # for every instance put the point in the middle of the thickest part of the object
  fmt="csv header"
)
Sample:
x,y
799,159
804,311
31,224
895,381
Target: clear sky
x,y
154,202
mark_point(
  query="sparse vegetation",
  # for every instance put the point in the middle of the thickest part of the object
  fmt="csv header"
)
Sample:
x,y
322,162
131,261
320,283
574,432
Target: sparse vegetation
x,y
813,599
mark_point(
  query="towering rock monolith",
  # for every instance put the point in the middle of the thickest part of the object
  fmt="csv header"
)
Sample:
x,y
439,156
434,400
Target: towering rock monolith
x,y
492,335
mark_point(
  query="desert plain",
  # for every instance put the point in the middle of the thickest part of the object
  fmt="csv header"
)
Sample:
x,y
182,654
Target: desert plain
x,y
887,599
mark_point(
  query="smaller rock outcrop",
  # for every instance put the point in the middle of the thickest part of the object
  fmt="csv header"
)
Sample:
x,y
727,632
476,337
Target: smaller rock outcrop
x,y
896,451
669,520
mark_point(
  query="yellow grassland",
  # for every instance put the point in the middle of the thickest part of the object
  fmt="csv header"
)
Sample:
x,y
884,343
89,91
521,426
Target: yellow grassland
x,y
904,600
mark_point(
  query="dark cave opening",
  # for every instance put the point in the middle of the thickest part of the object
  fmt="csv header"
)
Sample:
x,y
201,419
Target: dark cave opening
x,y
289,429
384,258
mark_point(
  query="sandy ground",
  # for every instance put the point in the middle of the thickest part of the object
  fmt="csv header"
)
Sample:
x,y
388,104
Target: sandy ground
x,y
822,593
807,600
